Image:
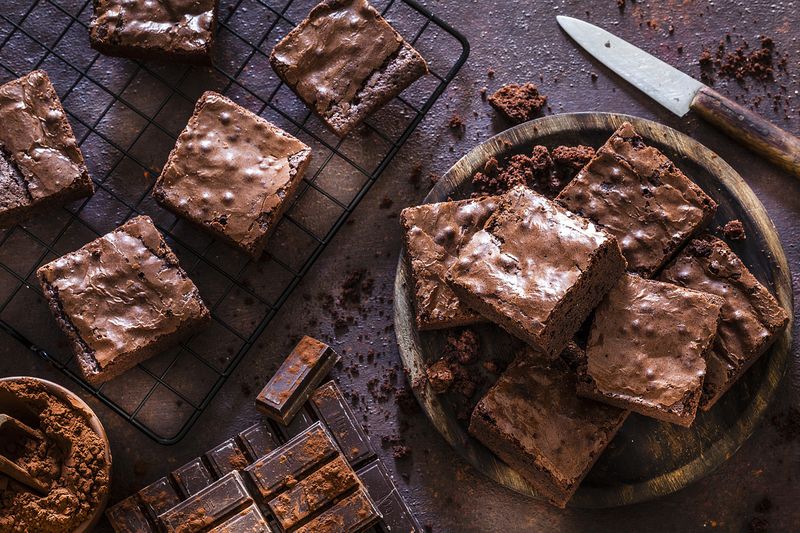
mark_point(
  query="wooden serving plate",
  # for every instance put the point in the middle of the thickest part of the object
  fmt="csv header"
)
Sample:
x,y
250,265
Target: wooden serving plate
x,y
647,458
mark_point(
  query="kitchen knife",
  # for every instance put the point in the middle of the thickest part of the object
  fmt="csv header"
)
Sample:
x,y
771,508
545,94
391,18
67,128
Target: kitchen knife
x,y
681,93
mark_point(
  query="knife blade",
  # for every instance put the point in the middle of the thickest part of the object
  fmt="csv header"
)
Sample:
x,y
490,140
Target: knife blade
x,y
680,93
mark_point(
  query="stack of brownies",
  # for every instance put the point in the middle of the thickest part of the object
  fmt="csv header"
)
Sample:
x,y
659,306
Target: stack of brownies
x,y
674,319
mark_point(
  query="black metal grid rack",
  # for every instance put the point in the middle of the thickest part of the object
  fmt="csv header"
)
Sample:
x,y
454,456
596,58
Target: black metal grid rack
x,y
127,115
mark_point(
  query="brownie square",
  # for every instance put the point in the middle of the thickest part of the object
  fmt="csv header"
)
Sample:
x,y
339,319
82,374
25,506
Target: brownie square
x,y
169,30
345,61
121,299
232,173
751,317
41,164
634,192
647,348
533,420
536,270
433,234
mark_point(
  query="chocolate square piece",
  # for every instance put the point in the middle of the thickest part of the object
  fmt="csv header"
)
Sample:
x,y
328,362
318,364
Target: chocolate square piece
x,y
128,517
352,514
171,30
226,457
192,477
647,348
433,235
345,61
232,173
332,408
121,299
258,440
158,497
396,516
41,164
751,317
301,371
250,520
638,195
533,420
536,269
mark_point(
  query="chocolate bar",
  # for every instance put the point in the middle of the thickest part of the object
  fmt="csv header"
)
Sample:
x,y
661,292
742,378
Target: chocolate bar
x,y
128,517
313,493
208,507
248,521
301,421
353,514
397,517
226,457
332,408
290,462
290,387
258,441
158,497
192,477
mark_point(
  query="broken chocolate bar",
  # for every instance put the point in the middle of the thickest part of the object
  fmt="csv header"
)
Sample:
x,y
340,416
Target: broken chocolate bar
x,y
290,387
332,408
208,507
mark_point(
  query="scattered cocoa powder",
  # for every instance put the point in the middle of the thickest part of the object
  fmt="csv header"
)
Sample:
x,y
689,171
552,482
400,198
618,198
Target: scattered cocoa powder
x,y
518,102
70,458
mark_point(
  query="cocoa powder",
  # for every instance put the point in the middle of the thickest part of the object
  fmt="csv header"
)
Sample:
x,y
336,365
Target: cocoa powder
x,y
69,458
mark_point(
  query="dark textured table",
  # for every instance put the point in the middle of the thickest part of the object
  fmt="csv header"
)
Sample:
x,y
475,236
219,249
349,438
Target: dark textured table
x,y
517,41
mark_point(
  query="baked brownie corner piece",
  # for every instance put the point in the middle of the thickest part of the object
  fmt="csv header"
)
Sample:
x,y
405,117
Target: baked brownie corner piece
x,y
751,317
433,233
533,420
637,194
536,269
232,173
41,164
175,31
345,61
121,299
647,348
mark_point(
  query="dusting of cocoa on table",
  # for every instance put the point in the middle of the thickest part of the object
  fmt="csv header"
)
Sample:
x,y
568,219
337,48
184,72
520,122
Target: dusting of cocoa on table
x,y
70,459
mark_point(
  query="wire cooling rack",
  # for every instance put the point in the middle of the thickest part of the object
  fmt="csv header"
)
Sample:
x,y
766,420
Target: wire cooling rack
x,y
127,115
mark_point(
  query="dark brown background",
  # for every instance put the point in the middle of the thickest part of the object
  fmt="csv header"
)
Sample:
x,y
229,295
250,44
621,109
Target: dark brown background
x,y
519,41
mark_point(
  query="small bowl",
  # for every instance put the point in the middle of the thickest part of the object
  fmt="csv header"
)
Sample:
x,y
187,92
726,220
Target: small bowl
x,y
71,398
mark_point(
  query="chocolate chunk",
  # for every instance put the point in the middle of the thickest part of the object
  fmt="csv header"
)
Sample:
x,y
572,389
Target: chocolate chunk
x,y
313,493
397,517
192,477
158,497
250,520
353,514
258,441
209,507
128,517
290,387
283,466
226,457
333,409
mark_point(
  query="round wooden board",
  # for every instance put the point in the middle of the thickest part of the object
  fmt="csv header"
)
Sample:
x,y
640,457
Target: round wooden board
x,y
647,458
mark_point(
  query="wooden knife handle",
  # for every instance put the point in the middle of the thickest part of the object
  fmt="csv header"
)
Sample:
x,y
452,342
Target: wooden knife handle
x,y
751,129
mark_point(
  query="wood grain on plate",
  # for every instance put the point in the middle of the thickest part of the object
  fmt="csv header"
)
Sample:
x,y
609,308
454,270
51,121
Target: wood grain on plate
x,y
647,458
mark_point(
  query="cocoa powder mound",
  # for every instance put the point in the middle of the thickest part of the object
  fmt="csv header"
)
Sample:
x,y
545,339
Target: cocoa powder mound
x,y
69,458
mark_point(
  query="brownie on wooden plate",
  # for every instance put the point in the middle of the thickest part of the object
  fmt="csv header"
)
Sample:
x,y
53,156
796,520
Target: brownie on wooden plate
x,y
168,30
533,420
345,61
232,173
647,348
121,299
536,269
751,317
433,234
41,164
634,192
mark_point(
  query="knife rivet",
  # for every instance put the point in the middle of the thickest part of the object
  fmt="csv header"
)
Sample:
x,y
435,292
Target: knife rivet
x,y
608,44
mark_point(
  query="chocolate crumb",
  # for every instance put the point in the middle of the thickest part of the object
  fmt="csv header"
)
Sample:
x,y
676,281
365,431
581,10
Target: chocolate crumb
x,y
734,230
440,376
457,125
518,102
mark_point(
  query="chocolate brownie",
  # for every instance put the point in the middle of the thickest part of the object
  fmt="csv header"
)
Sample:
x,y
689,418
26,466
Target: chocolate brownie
x,y
345,61
751,317
536,269
637,194
518,102
433,235
647,348
232,173
533,420
121,299
174,30
41,164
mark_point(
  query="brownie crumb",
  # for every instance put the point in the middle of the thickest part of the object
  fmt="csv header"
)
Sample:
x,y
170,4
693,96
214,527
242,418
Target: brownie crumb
x,y
518,102
457,125
440,376
483,92
621,4
401,452
434,178
742,63
573,157
462,347
734,230
415,177
490,72
593,75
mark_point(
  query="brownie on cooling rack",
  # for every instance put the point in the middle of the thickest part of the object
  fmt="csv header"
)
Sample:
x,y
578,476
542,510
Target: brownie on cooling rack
x,y
345,61
41,164
144,29
232,173
121,299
